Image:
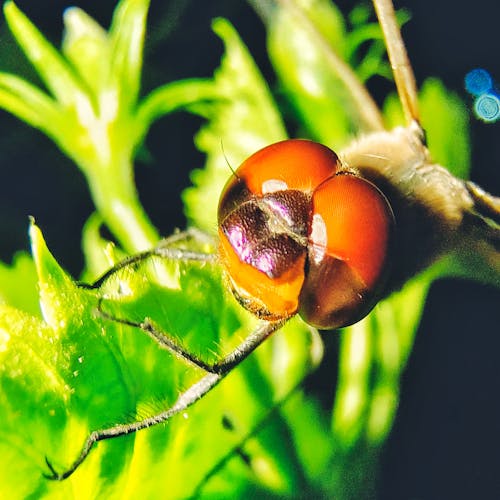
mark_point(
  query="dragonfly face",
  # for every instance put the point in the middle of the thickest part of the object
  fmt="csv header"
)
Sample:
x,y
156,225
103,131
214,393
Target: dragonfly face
x,y
301,233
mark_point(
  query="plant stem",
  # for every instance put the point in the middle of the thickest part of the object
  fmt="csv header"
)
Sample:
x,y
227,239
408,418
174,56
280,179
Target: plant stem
x,y
115,197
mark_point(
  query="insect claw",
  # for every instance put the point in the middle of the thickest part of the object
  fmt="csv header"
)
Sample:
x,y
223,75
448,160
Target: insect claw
x,y
54,475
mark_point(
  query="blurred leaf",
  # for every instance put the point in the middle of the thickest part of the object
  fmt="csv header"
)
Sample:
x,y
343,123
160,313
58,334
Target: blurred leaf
x,y
374,352
373,355
86,45
100,253
18,284
365,46
242,120
446,124
328,96
28,103
173,96
378,347
127,40
51,67
90,112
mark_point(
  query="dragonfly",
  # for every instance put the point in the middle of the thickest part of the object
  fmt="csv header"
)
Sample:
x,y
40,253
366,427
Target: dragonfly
x,y
325,242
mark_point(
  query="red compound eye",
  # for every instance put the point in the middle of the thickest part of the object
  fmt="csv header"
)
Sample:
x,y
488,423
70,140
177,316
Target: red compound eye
x,y
348,253
291,164
299,234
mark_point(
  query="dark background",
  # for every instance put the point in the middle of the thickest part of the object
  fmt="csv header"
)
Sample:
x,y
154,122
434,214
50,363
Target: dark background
x,y
446,439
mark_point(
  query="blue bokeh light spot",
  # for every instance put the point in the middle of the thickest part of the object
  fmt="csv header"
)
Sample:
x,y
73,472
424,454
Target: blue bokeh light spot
x,y
478,82
487,107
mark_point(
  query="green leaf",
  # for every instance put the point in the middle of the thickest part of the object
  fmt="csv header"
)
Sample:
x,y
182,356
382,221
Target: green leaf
x,y
35,379
127,41
29,103
100,253
365,46
445,121
187,94
76,371
31,401
86,45
314,33
373,355
203,316
242,120
376,352
55,72
18,284
92,117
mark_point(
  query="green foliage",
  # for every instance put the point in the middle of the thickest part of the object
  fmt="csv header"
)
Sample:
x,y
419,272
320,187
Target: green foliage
x,y
93,111
73,371
441,109
326,56
19,284
66,370
243,120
